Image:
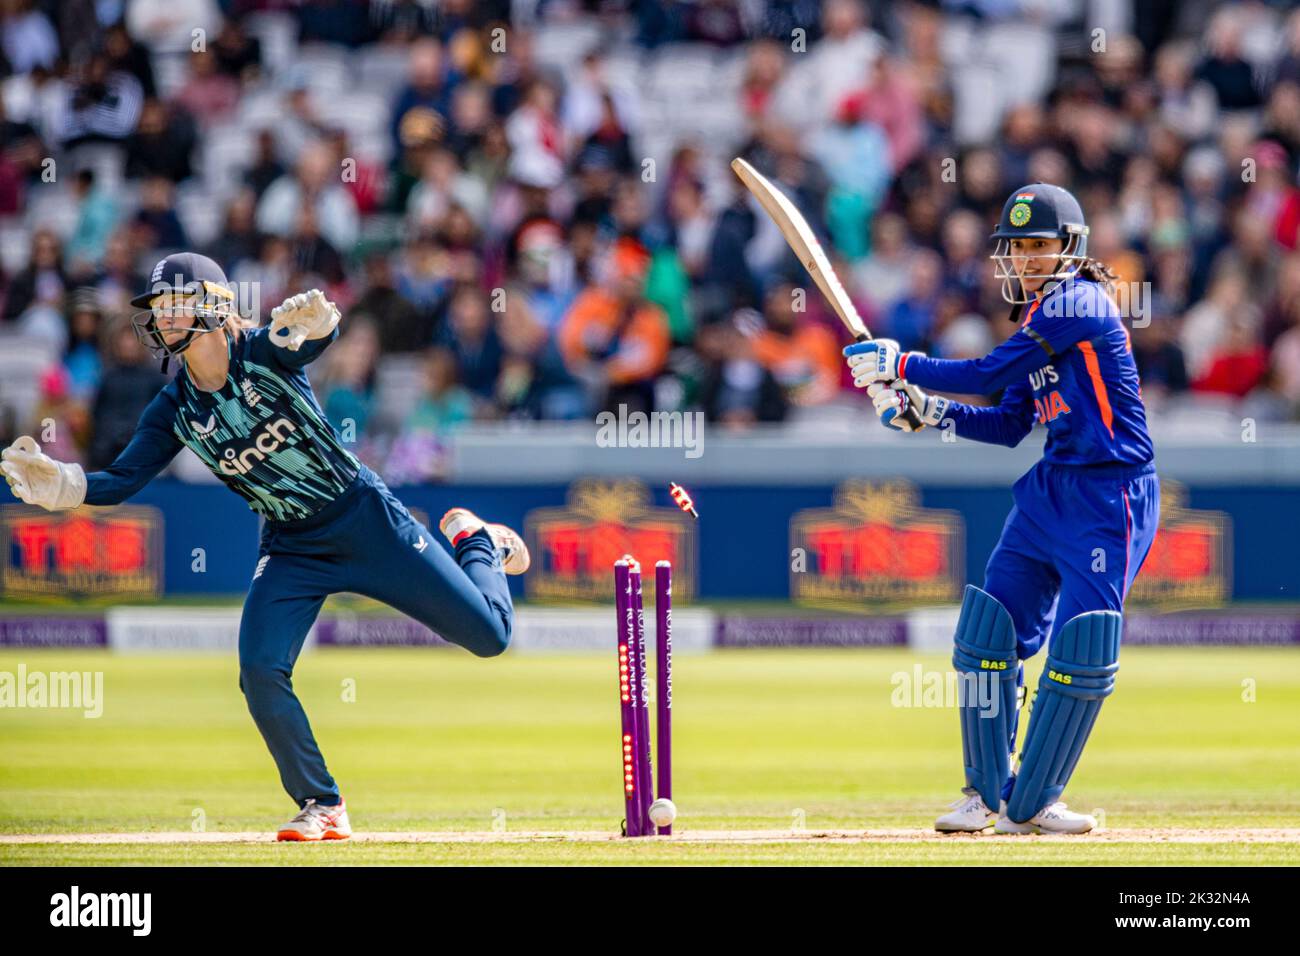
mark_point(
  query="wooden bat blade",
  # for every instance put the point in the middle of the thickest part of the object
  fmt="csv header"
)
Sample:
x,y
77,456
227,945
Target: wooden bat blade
x,y
804,242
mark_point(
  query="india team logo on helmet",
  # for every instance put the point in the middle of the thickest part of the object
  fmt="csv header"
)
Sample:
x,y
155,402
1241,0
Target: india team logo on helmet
x,y
1039,211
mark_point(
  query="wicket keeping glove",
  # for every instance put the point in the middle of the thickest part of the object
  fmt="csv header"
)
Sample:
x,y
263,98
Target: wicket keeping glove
x,y
38,479
307,315
892,402
878,360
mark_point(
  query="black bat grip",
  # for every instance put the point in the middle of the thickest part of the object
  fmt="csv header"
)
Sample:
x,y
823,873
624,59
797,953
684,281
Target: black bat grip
x,y
910,415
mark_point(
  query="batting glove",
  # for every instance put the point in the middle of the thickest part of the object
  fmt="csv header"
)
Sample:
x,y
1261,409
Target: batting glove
x,y
307,315
38,479
892,402
878,360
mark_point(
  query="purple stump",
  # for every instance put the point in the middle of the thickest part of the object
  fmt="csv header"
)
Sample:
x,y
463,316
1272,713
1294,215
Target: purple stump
x,y
664,682
627,710
641,705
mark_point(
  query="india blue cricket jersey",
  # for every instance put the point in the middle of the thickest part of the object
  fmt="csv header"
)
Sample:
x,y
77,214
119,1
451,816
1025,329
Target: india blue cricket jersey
x,y
1070,366
1086,514
263,434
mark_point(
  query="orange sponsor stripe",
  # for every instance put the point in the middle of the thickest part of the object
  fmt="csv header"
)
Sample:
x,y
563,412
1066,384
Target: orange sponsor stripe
x,y
1029,314
1098,385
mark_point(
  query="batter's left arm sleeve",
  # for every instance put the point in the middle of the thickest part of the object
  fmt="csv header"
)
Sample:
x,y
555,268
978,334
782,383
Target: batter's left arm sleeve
x,y
1065,319
1011,361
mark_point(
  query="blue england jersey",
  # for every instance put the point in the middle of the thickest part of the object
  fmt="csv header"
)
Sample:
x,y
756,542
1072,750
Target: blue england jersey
x,y
262,433
1070,366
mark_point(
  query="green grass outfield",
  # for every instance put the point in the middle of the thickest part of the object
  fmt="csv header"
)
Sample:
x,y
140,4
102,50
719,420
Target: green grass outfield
x,y
486,753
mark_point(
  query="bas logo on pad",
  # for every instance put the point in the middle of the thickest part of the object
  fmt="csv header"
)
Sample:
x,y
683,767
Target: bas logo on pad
x,y
876,544
574,547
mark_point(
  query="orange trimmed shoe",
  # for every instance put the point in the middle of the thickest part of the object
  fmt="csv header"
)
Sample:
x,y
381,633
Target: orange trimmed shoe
x,y
459,523
315,822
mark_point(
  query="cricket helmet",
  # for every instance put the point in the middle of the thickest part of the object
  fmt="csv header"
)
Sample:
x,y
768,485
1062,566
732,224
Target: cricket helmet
x,y
1039,211
182,275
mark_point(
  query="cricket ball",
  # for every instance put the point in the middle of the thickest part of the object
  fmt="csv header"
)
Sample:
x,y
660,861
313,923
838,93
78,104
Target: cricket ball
x,y
663,812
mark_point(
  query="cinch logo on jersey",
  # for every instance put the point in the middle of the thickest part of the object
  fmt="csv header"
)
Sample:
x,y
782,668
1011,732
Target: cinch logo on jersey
x,y
266,441
1051,404
264,435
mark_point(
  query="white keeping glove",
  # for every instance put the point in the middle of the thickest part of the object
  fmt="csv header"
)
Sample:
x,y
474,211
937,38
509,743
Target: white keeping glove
x,y
307,315
38,479
892,402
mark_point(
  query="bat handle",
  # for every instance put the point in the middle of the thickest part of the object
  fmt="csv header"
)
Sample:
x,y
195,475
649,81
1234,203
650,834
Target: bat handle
x,y
910,414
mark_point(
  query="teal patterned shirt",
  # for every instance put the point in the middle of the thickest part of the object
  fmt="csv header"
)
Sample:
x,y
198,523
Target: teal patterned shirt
x,y
263,434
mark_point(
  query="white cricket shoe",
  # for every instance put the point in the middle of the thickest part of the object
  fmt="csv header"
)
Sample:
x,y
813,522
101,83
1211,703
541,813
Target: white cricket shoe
x,y
459,523
969,815
1053,818
315,822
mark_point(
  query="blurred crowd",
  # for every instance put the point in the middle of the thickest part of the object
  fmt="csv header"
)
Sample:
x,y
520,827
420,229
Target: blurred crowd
x,y
525,211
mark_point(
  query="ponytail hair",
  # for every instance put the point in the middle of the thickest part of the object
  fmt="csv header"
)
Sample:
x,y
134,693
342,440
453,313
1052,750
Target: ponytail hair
x,y
1097,271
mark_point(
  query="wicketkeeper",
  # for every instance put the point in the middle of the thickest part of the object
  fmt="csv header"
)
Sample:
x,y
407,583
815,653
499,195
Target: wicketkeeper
x,y
242,403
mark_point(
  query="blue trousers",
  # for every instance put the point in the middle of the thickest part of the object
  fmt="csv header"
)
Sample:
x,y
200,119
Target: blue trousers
x,y
364,542
1074,541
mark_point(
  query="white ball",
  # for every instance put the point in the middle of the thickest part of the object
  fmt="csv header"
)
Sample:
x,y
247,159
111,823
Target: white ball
x,y
663,812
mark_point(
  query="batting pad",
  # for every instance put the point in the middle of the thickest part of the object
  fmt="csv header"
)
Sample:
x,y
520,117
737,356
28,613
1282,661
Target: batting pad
x,y
1079,675
984,656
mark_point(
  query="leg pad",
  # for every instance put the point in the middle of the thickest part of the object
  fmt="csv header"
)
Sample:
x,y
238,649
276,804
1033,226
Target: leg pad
x,y
984,656
1079,675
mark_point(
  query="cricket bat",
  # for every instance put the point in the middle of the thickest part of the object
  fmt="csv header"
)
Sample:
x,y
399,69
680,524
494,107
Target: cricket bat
x,y
804,242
